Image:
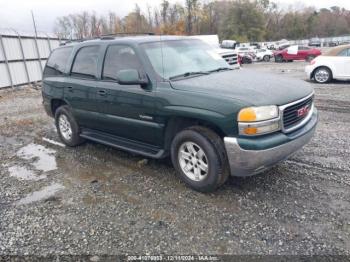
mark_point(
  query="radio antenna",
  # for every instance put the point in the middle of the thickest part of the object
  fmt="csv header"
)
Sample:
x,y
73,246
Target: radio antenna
x,y
34,24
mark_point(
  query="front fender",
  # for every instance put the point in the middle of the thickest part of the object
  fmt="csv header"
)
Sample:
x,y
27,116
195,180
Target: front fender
x,y
226,123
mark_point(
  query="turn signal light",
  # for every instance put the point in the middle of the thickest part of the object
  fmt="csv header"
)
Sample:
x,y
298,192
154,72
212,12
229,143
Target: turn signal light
x,y
250,130
247,115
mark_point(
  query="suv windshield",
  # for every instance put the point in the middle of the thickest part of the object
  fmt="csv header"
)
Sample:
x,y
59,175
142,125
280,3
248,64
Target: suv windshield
x,y
183,57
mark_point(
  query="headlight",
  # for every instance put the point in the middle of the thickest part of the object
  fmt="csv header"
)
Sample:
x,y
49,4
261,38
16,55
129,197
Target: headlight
x,y
261,113
258,120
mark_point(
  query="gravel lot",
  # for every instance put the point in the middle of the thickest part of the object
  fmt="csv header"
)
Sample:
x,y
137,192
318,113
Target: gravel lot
x,y
97,200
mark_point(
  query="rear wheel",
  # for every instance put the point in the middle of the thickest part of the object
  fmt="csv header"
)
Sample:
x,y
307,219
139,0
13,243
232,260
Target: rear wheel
x,y
199,157
322,75
67,128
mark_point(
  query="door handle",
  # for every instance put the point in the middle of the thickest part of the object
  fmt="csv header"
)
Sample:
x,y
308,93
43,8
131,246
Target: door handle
x,y
70,89
102,92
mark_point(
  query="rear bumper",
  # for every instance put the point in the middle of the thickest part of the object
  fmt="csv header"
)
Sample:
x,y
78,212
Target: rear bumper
x,y
245,162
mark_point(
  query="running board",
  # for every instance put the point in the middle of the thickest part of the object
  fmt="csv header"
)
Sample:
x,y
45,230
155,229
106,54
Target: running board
x,y
123,143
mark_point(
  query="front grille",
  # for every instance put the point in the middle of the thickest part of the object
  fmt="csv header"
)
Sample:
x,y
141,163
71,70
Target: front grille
x,y
231,59
292,115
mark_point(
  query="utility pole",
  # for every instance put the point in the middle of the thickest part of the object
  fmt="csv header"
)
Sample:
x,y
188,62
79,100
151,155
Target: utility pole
x,y
36,33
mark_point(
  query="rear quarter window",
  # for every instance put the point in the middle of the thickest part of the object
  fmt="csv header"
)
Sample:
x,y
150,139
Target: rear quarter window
x,y
57,62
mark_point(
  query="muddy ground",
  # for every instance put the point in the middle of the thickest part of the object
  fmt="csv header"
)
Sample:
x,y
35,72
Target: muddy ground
x,y
97,200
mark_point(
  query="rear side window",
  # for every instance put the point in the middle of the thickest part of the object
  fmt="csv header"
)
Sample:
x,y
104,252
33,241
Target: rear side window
x,y
86,62
345,52
119,57
57,62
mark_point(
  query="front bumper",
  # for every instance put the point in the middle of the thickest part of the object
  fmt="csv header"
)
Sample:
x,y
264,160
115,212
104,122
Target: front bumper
x,y
247,162
308,70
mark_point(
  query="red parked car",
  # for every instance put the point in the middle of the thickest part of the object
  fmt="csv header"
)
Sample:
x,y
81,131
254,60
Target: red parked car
x,y
296,53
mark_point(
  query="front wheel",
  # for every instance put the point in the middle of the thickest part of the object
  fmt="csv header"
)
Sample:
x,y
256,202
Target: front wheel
x,y
266,58
246,60
322,75
278,59
67,128
199,157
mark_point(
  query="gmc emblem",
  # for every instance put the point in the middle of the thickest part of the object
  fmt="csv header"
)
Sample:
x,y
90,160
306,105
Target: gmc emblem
x,y
303,111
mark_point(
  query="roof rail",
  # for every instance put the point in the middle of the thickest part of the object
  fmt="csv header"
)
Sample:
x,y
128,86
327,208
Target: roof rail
x,y
112,36
70,41
104,37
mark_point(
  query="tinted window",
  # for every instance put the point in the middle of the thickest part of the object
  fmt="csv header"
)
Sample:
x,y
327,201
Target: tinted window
x,y
345,52
119,57
86,61
57,61
303,48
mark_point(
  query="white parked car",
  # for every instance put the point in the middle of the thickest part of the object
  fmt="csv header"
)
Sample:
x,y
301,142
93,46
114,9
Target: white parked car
x,y
229,55
334,64
229,44
264,55
245,50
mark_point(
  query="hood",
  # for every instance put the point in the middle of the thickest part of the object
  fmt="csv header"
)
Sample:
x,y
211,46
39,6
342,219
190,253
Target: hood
x,y
247,85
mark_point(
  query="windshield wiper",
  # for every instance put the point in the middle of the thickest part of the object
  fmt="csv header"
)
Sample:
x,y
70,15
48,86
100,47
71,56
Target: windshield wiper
x,y
220,69
189,74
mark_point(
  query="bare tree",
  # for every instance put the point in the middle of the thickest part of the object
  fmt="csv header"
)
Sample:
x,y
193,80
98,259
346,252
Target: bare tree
x,y
245,20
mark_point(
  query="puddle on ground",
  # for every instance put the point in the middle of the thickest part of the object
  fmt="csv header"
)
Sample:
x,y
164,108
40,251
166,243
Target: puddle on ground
x,y
23,173
43,157
43,194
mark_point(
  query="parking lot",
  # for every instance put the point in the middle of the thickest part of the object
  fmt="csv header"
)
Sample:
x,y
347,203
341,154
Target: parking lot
x,y
97,200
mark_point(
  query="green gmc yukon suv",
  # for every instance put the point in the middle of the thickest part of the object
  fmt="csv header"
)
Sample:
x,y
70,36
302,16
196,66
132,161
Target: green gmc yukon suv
x,y
174,96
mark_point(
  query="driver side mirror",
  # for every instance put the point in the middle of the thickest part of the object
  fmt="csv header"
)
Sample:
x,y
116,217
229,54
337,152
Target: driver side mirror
x,y
131,77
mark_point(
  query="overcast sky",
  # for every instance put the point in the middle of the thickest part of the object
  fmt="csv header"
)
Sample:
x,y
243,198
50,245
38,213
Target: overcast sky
x,y
16,13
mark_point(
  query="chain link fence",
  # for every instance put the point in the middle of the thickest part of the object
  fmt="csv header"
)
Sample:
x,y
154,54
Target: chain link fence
x,y
23,56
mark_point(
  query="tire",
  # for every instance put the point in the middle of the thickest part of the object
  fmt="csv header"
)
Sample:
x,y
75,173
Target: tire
x,y
266,58
310,57
322,75
278,59
214,156
67,128
245,60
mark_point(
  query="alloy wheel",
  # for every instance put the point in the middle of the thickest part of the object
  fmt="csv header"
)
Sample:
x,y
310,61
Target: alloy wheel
x,y
193,161
65,127
321,75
